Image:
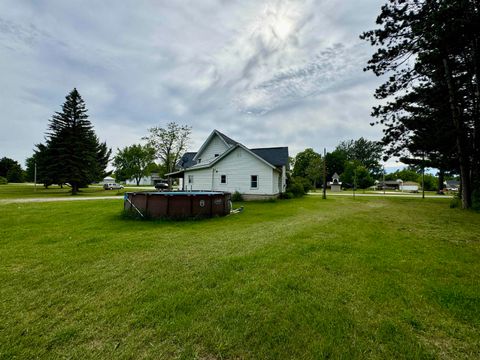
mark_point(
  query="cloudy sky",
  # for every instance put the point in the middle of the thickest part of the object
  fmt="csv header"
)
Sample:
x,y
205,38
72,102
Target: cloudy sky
x,y
266,73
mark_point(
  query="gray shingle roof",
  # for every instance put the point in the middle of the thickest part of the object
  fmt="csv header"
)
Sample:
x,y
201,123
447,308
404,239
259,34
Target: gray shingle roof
x,y
277,156
186,160
228,140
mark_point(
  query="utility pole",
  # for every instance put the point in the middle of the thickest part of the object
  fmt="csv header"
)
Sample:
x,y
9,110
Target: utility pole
x,y
35,177
354,182
423,175
383,180
324,173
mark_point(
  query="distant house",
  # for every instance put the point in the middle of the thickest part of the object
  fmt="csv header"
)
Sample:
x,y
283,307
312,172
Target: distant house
x,y
452,185
389,185
150,180
223,164
409,186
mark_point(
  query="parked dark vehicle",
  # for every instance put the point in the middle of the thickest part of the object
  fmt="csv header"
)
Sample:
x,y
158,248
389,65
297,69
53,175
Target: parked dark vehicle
x,y
161,185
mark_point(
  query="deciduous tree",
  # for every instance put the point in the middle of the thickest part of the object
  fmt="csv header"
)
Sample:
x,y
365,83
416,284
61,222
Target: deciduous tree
x,y
133,162
169,143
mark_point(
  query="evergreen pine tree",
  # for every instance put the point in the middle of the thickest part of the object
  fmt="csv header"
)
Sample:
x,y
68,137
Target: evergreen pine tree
x,y
73,153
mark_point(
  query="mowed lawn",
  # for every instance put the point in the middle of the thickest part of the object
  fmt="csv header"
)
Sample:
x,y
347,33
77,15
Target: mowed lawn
x,y
297,279
25,191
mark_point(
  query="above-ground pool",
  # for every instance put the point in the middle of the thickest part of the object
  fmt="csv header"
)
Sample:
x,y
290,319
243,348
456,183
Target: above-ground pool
x,y
178,204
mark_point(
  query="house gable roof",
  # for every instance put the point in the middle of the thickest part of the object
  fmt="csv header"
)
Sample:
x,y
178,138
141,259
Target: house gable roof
x,y
228,142
225,154
277,156
273,157
225,138
187,160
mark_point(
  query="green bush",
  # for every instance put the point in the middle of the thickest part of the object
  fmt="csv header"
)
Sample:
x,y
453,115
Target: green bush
x,y
306,184
456,201
3,181
476,199
297,186
236,196
286,195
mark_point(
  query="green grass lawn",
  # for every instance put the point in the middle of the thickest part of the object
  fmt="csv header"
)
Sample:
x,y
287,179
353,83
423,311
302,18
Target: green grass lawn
x,y
14,191
305,279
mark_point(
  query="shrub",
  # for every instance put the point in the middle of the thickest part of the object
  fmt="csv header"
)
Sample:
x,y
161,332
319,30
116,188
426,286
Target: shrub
x,y
236,196
286,195
476,199
3,181
455,203
306,184
297,186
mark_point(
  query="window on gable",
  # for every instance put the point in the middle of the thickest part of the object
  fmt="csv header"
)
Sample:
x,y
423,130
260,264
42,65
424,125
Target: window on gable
x,y
254,181
199,160
223,179
190,179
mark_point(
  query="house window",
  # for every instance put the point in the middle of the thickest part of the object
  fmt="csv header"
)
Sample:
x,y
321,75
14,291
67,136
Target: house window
x,y
216,155
254,181
199,161
190,179
223,179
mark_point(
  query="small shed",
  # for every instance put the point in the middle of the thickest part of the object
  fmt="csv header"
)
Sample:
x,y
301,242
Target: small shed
x,y
108,180
335,185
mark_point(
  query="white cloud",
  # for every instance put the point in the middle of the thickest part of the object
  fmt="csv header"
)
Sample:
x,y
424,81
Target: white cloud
x,y
283,72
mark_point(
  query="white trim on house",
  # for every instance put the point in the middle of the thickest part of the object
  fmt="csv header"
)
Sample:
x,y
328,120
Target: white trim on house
x,y
236,164
210,137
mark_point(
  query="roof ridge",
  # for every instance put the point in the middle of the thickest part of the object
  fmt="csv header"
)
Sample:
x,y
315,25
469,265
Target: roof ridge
x,y
227,139
271,147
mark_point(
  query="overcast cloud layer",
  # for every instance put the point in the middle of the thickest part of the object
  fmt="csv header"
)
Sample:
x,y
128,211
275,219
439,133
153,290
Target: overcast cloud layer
x,y
266,73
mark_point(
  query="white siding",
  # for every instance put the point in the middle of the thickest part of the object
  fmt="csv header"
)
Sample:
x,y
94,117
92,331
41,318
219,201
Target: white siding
x,y
409,187
238,166
276,182
216,146
147,180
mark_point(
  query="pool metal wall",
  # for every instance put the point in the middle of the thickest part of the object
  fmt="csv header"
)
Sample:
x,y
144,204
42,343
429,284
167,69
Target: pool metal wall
x,y
179,205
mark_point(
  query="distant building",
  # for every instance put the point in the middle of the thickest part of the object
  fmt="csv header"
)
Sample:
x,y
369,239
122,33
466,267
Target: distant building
x,y
223,164
108,180
389,185
335,184
150,180
452,185
409,186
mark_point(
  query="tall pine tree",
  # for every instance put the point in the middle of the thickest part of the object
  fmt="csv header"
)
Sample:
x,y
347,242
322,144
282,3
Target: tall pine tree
x,y
430,49
73,153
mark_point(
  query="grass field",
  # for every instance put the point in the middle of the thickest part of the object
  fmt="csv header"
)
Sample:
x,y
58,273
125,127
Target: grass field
x,y
14,191
305,279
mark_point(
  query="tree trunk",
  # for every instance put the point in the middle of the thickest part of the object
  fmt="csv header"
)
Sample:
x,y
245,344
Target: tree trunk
x,y
459,139
441,175
74,188
476,122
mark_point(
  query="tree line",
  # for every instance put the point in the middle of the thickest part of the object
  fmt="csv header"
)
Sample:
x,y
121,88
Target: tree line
x,y
430,109
72,154
355,161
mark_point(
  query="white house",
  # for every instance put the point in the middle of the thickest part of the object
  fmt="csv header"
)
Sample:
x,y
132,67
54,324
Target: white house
x,y
149,180
409,186
223,164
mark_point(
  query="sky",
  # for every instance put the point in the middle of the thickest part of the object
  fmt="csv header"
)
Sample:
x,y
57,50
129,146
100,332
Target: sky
x,y
265,73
